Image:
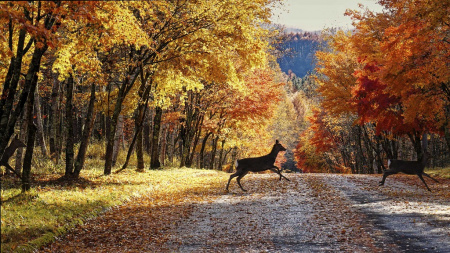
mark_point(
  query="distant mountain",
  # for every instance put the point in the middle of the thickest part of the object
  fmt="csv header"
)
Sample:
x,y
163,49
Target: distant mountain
x,y
298,49
288,30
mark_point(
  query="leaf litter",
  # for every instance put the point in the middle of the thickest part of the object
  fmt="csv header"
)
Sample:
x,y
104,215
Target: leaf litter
x,y
311,213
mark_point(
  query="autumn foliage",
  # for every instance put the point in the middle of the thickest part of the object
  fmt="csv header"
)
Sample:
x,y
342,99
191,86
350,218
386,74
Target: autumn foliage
x,y
388,79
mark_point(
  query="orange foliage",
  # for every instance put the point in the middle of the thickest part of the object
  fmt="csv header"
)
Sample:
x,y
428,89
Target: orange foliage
x,y
411,49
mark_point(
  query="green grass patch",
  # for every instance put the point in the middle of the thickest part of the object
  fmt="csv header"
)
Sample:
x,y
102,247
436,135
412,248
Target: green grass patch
x,y
52,207
439,172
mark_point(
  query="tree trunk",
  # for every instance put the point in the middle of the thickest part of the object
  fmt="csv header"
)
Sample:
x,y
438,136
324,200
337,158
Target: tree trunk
x,y
202,150
117,138
9,117
154,160
185,148
417,143
213,152
198,133
447,136
139,153
233,158
124,88
221,155
88,126
54,119
20,151
137,138
146,136
40,127
30,143
69,128
9,91
163,145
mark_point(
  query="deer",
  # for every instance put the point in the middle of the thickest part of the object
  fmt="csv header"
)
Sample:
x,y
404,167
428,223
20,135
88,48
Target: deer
x,y
9,151
408,167
257,164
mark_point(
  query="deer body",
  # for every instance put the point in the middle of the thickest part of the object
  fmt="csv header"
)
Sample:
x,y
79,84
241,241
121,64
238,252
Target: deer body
x,y
257,164
408,167
9,151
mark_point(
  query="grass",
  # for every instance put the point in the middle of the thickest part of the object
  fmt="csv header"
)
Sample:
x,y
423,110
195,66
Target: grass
x,y
439,172
52,207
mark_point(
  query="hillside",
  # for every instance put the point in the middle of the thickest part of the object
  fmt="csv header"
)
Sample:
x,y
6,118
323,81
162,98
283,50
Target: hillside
x,y
298,53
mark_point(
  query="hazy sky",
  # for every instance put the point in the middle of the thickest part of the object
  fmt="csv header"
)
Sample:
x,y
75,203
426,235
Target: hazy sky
x,y
313,15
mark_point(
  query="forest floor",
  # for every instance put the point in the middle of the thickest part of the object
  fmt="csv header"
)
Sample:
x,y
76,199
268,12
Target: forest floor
x,y
310,213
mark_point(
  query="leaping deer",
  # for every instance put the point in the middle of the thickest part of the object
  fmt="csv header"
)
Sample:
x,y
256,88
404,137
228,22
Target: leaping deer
x,y
408,167
257,164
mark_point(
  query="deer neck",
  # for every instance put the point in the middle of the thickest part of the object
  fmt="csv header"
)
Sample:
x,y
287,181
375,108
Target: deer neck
x,y
274,152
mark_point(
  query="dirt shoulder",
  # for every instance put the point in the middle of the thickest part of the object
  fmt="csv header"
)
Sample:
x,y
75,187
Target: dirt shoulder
x,y
311,213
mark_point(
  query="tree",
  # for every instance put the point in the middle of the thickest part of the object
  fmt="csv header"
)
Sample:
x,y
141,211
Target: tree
x,y
409,49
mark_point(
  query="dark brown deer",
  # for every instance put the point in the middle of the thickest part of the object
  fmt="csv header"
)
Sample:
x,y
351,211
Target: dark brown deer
x,y
408,167
257,164
9,151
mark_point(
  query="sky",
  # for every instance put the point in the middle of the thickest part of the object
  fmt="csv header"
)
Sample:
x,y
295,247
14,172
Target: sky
x,y
315,15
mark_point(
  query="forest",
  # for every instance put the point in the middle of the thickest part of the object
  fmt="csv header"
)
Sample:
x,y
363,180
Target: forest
x,y
175,81
123,90
381,91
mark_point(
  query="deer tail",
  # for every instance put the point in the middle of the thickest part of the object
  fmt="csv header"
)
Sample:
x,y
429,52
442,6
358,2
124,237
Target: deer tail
x,y
236,163
389,163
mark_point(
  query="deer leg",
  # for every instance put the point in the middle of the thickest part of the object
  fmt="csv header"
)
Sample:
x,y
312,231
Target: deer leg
x,y
385,175
231,177
423,173
421,178
279,173
239,179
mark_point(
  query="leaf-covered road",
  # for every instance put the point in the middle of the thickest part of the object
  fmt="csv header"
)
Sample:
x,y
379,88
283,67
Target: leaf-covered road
x,y
311,213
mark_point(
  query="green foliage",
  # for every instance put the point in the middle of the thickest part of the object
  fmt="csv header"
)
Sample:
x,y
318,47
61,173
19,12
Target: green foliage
x,y
440,172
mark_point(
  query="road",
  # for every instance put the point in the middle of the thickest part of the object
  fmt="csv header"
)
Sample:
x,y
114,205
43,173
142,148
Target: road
x,y
310,213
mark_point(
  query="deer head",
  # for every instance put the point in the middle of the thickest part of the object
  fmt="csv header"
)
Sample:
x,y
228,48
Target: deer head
x,y
278,147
